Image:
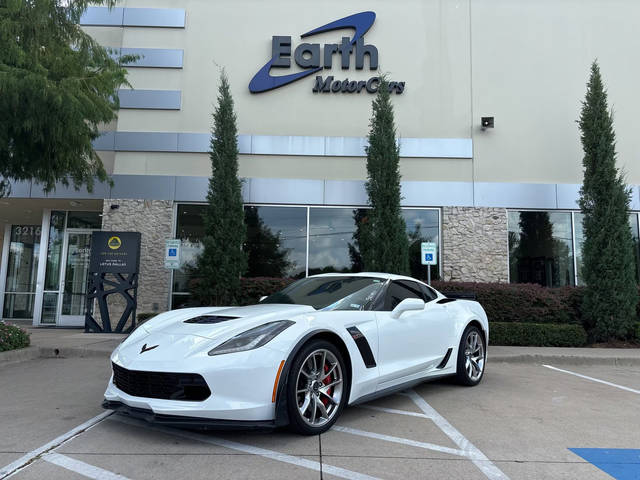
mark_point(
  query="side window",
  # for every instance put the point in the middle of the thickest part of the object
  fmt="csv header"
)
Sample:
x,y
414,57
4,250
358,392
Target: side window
x,y
428,293
398,291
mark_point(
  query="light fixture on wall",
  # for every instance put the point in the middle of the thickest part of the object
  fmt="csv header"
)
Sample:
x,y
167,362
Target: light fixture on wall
x,y
75,204
487,122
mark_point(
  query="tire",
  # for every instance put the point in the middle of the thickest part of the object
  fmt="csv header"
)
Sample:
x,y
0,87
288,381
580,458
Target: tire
x,y
472,355
314,407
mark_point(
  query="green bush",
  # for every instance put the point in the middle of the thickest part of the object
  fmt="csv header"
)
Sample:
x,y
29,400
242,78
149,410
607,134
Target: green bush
x,y
253,288
144,316
522,302
12,337
637,332
537,334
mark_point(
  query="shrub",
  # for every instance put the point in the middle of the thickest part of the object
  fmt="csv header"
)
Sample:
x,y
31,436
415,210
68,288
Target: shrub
x,y
520,302
253,288
144,316
12,337
537,334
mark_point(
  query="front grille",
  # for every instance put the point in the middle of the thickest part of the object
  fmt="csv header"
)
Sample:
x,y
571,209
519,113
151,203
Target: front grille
x,y
168,386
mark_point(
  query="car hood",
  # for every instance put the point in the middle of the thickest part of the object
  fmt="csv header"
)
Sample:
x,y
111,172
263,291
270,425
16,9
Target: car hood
x,y
148,346
228,320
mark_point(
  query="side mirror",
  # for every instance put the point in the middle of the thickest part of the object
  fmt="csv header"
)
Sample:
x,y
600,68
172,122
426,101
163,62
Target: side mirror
x,y
262,298
407,305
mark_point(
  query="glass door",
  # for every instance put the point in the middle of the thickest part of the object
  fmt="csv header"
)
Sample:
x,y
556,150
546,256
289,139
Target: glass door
x,y
22,268
74,274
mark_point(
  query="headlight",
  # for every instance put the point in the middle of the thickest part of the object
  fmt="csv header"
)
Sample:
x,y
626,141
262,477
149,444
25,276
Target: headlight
x,y
254,338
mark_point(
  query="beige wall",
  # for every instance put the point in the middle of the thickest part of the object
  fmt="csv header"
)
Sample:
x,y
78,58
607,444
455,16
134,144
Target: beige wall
x,y
524,62
531,62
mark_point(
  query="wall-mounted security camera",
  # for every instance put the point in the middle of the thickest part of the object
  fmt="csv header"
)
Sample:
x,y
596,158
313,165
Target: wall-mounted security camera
x,y
487,122
115,206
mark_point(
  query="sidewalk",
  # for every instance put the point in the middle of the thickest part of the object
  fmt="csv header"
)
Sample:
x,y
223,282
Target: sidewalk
x,y
63,343
66,342
566,356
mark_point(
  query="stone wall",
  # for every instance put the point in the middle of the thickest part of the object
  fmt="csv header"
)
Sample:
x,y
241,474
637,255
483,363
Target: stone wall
x,y
474,244
154,220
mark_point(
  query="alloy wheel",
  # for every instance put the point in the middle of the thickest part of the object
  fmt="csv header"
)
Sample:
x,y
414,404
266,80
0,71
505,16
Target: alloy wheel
x,y
474,355
319,387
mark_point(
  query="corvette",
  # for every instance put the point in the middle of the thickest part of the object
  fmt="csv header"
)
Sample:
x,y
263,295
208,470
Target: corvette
x,y
299,356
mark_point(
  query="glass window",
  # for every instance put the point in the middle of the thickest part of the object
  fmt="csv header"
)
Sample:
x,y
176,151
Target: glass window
x,y
189,229
333,240
399,291
54,252
22,269
330,292
633,225
541,248
276,241
84,220
422,226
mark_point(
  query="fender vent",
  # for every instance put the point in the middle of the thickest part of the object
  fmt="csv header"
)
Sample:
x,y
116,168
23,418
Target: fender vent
x,y
209,319
363,346
445,360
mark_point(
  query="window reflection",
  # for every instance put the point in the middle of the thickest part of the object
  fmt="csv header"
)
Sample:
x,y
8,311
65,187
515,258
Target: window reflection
x,y
276,241
334,240
633,225
541,248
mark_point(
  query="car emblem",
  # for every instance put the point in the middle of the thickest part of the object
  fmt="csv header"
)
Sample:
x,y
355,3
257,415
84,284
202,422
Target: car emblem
x,y
145,349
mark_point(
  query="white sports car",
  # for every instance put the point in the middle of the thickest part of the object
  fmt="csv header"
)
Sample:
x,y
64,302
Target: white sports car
x,y
299,356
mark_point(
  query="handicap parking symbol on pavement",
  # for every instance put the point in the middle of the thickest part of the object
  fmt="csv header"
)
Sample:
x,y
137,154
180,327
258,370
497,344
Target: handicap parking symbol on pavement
x,y
620,463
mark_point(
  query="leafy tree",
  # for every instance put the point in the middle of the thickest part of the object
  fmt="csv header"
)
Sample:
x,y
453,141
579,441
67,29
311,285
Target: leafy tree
x,y
611,295
265,257
57,86
222,260
386,243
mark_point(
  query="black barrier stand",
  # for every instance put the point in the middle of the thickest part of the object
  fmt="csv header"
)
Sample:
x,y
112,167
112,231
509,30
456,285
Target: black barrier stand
x,y
115,260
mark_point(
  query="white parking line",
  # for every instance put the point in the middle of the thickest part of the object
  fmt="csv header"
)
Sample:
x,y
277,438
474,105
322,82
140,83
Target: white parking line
x,y
597,380
280,457
23,461
404,441
476,456
393,410
81,468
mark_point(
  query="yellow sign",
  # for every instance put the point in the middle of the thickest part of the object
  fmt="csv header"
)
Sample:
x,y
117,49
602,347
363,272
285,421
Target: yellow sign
x,y
114,243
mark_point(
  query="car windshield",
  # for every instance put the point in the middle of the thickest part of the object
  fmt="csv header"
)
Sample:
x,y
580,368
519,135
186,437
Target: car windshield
x,y
330,293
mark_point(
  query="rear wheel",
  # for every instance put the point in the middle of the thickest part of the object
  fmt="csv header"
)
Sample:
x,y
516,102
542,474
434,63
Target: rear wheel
x,y
471,357
316,388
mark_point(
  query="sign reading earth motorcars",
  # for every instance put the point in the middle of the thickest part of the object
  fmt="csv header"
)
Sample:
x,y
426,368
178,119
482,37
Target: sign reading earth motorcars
x,y
313,58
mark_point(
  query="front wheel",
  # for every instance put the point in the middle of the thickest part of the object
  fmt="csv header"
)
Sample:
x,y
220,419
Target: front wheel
x,y
316,388
471,357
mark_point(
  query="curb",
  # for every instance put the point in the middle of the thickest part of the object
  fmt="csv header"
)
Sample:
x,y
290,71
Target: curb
x,y
31,353
566,360
19,355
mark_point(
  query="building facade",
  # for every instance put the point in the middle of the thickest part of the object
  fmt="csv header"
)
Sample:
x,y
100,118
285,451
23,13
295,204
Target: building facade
x,y
486,95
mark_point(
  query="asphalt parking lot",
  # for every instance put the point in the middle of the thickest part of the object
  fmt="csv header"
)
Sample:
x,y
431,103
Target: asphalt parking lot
x,y
520,422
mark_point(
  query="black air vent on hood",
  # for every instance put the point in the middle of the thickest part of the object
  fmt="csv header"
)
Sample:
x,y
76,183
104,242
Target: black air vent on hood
x,y
209,319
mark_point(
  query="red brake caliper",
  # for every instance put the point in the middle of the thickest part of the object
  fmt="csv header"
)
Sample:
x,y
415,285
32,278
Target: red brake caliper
x,y
327,381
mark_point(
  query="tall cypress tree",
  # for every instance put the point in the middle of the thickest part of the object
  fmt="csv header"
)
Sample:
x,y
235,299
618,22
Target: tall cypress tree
x,y
387,247
222,260
611,295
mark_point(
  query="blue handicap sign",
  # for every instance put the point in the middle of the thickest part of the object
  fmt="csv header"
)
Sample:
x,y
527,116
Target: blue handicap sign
x,y
620,463
428,257
173,252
